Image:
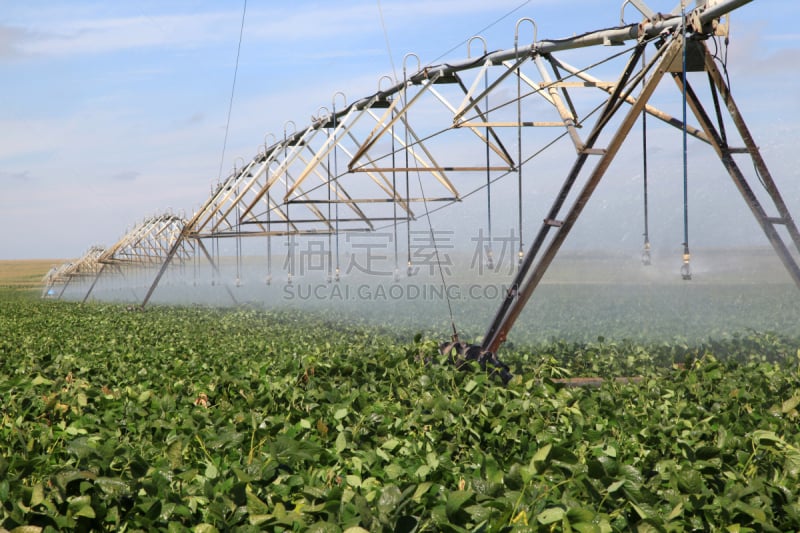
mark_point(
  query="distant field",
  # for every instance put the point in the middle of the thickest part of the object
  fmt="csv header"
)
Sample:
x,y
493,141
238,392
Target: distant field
x,y
25,273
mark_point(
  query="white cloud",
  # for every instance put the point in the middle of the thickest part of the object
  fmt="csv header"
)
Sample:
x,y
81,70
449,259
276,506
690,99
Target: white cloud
x,y
90,36
16,176
10,39
294,24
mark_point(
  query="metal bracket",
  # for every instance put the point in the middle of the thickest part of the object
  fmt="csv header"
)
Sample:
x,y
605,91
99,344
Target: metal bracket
x,y
640,6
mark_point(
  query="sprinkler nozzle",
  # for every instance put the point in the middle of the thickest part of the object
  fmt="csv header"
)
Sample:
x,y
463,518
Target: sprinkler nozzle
x,y
686,270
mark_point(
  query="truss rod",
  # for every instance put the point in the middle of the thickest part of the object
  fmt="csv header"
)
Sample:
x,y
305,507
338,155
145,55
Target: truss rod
x,y
302,233
752,150
649,109
371,201
432,169
509,124
300,221
723,151
524,284
665,23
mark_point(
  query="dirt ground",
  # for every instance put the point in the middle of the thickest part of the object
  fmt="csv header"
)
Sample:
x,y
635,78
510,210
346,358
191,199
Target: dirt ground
x,y
25,273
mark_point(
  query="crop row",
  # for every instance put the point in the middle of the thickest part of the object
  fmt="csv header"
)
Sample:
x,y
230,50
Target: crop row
x,y
209,419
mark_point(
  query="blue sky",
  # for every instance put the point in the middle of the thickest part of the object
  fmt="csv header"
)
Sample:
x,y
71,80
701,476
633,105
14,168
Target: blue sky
x,y
112,111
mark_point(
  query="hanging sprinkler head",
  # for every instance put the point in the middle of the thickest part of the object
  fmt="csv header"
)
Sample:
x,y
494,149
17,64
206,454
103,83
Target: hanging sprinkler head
x,y
336,276
269,279
489,258
686,270
409,271
646,254
520,255
237,282
289,279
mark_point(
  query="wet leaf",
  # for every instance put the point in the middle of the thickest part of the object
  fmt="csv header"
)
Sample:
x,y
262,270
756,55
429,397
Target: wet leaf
x,y
549,516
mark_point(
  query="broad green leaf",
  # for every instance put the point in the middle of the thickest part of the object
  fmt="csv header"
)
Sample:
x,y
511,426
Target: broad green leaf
x,y
480,513
551,515
40,380
539,459
791,403
422,471
542,454
760,437
754,512
83,401
389,500
595,468
640,511
390,444
614,487
86,511
421,489
585,527
37,496
394,471
324,527
175,453
579,514
647,527
113,487
211,471
26,529
559,453
456,500
254,504
792,464
676,512
470,386
341,442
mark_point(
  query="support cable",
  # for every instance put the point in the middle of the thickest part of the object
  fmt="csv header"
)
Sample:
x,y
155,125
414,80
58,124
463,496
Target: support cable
x,y
337,272
330,243
424,201
386,38
269,241
233,90
289,233
487,133
521,252
409,270
482,30
489,254
686,271
646,252
238,281
394,206
511,172
406,147
438,260
195,261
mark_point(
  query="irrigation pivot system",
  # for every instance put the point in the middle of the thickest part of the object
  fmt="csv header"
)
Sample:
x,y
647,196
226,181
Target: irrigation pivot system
x,y
143,248
425,138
